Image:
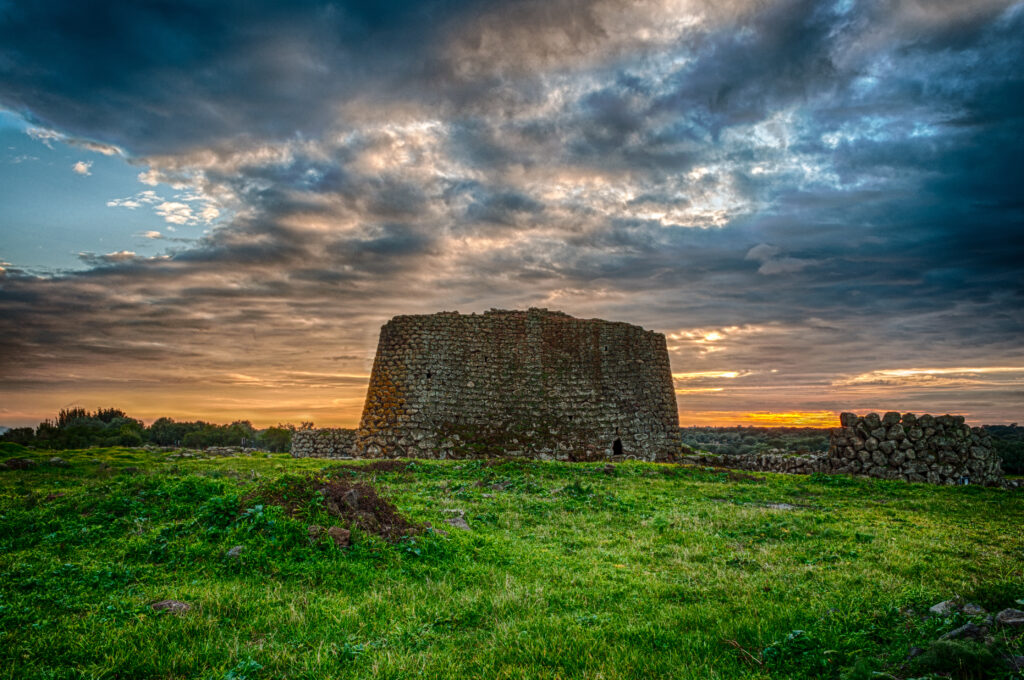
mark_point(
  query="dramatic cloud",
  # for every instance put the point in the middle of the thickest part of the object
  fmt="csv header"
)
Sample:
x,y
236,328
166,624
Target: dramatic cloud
x,y
806,197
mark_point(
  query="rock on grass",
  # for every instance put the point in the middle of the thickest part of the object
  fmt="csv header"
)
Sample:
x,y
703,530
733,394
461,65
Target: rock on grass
x,y
1010,617
172,606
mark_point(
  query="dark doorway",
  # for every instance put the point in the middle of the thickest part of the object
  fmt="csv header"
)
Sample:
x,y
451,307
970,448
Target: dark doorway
x,y
617,447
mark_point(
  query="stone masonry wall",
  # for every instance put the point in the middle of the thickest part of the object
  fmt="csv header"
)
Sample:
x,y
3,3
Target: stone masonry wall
x,y
934,449
530,383
323,443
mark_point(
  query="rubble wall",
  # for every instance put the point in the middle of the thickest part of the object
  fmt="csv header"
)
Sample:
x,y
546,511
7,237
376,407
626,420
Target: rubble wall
x,y
934,449
323,443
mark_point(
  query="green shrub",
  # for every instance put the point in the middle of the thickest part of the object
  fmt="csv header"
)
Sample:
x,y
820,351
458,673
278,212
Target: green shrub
x,y
958,659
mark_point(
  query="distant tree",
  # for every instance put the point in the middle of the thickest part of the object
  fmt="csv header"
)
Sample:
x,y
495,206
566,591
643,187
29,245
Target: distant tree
x,y
66,416
165,432
109,414
1008,443
240,433
19,435
277,438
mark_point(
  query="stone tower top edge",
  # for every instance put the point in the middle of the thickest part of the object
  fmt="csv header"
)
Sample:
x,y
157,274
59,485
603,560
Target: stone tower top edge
x,y
495,312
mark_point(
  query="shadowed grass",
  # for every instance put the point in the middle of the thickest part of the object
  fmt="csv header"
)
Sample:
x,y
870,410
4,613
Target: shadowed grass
x,y
568,571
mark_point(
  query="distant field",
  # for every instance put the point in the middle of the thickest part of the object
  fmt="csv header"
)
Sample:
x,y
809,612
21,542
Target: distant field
x,y
567,571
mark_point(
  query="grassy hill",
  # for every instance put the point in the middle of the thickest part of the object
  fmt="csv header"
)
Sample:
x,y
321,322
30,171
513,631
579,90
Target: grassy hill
x,y
566,571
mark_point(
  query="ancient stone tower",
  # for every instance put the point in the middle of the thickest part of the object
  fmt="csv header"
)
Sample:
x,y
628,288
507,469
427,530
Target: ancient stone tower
x,y
534,383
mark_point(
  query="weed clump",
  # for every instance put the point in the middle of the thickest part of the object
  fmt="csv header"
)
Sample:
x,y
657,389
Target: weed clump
x,y
959,659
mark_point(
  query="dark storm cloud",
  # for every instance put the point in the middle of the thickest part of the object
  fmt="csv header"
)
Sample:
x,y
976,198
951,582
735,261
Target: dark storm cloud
x,y
158,76
809,175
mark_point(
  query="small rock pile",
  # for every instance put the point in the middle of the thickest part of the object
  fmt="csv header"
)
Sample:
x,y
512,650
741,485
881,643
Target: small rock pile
x,y
933,449
973,625
324,443
210,452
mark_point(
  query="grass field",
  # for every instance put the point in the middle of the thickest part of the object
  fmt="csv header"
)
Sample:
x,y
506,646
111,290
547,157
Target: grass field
x,y
567,571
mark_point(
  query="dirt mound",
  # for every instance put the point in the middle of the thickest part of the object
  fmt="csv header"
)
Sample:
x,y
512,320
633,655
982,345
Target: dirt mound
x,y
360,506
357,504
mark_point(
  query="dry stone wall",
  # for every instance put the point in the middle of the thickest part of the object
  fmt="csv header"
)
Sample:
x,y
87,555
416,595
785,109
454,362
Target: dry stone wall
x,y
934,449
795,464
323,443
532,383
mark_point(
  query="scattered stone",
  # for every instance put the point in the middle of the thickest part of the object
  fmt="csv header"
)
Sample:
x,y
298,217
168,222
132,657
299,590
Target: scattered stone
x,y
235,551
351,498
1010,617
971,609
341,537
780,506
20,464
608,469
487,495
968,630
172,606
58,462
458,522
945,608
315,532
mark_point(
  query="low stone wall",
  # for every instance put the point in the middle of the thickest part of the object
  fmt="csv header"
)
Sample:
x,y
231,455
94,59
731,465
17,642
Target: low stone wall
x,y
323,443
796,464
933,449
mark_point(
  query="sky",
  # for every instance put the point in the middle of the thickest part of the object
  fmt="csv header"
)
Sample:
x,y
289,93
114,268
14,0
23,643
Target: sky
x,y
207,210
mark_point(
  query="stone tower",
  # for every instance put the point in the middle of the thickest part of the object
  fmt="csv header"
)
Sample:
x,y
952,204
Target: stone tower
x,y
535,383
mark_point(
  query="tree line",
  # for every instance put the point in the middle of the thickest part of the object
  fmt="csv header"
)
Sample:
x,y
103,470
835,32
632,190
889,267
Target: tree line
x,y
78,428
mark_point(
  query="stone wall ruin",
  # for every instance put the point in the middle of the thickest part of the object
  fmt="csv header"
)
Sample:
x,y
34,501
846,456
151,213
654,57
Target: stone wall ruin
x,y
323,443
531,383
934,449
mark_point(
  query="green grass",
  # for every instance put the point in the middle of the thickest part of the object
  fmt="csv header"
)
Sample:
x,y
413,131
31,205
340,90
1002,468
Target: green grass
x,y
567,572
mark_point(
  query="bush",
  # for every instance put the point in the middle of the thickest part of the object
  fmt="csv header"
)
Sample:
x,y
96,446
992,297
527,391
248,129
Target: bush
x,y
1008,442
958,659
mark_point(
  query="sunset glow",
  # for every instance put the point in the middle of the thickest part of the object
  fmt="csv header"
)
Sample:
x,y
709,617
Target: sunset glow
x,y
762,419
